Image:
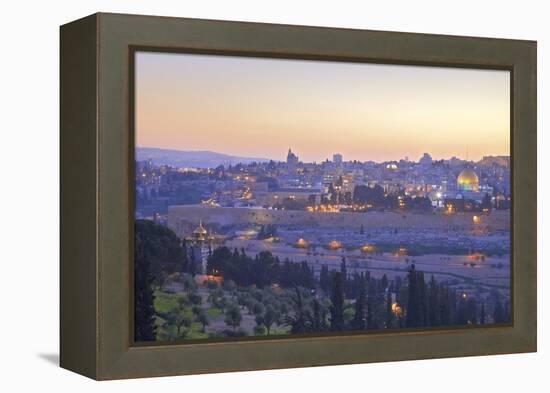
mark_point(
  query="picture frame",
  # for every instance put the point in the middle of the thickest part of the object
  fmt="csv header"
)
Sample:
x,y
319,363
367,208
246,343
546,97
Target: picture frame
x,y
97,155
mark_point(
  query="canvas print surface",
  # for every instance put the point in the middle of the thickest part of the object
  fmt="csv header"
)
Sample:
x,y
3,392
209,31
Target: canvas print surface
x,y
279,197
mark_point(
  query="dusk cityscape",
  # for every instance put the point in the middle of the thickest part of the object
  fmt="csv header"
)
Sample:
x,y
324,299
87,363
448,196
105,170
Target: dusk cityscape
x,y
300,225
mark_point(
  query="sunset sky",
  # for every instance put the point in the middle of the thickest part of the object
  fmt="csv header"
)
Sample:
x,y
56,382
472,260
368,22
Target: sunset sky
x,y
258,107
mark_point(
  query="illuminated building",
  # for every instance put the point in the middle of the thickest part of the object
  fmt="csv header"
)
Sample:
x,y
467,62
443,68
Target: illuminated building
x,y
272,198
200,248
302,243
201,245
334,245
467,180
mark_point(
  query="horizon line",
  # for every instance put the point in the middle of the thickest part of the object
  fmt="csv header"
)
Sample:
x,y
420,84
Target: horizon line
x,y
320,161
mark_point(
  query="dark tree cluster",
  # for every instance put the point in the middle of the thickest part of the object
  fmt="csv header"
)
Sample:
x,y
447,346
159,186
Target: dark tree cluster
x,y
157,253
369,195
160,247
378,303
262,270
417,203
292,204
432,305
377,198
338,300
470,205
357,301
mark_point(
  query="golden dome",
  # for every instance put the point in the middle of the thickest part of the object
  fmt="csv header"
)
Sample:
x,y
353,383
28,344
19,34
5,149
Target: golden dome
x,y
467,180
200,229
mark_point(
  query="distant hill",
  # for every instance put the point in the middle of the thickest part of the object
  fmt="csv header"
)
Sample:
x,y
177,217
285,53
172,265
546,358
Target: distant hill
x,y
197,159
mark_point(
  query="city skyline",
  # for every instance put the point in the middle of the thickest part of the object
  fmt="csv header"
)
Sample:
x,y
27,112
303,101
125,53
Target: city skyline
x,y
330,157
365,112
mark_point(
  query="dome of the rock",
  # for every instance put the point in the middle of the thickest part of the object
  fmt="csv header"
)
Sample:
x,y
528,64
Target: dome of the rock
x,y
467,180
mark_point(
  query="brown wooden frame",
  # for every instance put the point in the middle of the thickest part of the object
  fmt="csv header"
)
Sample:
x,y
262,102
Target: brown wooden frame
x,y
96,200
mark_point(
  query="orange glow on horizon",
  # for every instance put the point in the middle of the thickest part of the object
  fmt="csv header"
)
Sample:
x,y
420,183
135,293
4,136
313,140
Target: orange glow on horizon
x,y
366,112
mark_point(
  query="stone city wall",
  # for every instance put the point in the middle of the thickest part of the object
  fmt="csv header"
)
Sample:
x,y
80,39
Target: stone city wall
x,y
185,217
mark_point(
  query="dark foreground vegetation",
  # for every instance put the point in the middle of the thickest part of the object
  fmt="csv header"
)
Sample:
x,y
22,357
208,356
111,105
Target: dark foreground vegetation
x,y
262,295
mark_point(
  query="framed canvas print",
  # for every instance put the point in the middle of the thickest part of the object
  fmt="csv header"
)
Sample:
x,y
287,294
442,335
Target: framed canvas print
x,y
241,196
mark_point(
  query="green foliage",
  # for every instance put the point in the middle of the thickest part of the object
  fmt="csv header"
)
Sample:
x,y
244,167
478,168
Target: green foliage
x,y
160,248
262,270
339,300
202,318
390,317
179,320
195,298
292,204
260,330
144,312
218,299
213,312
413,307
233,316
189,284
369,195
229,285
300,319
359,318
157,254
324,279
270,317
319,318
257,308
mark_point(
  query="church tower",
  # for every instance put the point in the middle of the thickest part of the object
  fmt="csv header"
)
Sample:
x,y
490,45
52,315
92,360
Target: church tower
x,y
200,248
291,158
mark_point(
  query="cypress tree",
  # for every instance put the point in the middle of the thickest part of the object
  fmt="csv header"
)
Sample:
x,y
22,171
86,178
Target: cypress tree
x,y
462,312
444,306
360,303
472,311
413,308
337,299
452,307
158,253
422,299
324,279
371,305
434,314
318,320
144,311
397,284
384,282
389,311
298,321
344,272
